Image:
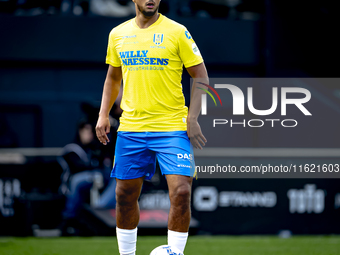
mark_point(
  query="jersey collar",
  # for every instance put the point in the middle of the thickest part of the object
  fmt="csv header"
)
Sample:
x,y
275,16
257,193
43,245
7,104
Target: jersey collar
x,y
158,21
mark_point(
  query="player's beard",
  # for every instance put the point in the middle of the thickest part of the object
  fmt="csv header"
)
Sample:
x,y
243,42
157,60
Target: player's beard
x,y
147,13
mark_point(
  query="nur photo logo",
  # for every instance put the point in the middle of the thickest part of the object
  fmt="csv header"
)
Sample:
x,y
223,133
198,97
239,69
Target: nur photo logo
x,y
240,101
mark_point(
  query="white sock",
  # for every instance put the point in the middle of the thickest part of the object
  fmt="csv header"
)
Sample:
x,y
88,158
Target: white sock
x,y
177,239
127,239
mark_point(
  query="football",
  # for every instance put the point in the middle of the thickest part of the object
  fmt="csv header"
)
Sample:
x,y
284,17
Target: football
x,y
166,250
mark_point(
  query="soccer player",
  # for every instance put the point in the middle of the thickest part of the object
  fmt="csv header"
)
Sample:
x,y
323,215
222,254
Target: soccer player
x,y
148,53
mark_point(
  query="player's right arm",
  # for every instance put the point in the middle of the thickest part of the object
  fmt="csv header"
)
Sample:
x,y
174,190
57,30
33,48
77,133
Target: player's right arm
x,y
110,93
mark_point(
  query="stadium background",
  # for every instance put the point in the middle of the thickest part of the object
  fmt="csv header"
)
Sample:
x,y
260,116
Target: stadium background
x,y
51,75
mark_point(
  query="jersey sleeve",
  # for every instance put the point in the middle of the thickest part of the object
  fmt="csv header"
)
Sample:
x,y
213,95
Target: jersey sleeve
x,y
188,50
112,57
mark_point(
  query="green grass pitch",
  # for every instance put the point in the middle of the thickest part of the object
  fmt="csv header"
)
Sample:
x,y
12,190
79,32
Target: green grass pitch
x,y
203,245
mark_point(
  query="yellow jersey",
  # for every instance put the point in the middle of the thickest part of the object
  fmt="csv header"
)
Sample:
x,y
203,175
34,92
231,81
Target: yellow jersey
x,y
152,64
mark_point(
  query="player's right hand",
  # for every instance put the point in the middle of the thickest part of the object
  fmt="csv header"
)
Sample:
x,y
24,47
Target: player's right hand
x,y
102,129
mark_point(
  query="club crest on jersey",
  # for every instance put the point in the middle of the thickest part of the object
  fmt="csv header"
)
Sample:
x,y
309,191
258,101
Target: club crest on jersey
x,y
158,39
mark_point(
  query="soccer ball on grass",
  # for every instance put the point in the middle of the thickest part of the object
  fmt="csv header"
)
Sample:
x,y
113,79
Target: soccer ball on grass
x,y
166,250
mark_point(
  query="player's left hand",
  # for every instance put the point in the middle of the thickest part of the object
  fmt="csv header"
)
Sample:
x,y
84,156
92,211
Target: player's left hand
x,y
195,134
102,129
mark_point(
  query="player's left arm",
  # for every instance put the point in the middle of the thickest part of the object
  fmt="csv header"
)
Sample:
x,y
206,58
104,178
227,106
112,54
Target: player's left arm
x,y
200,75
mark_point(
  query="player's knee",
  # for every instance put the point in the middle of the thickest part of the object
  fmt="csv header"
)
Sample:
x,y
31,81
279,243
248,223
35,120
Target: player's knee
x,y
181,194
125,197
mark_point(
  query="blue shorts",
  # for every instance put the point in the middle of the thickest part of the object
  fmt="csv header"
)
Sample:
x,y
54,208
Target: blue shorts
x,y
136,154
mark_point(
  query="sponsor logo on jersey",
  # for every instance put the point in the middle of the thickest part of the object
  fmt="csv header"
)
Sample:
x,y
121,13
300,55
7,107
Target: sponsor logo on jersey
x,y
196,50
158,39
128,43
185,166
188,35
140,57
184,156
129,36
157,47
